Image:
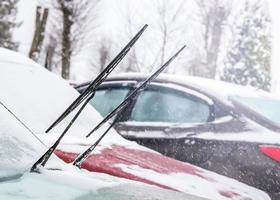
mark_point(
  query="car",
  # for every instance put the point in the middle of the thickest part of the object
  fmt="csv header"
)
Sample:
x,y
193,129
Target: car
x,y
20,148
229,129
32,98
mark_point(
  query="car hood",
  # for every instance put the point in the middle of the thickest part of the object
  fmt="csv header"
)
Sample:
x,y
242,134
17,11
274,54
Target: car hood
x,y
34,98
78,185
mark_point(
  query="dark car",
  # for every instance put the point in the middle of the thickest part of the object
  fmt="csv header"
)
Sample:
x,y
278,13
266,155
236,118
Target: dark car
x,y
229,129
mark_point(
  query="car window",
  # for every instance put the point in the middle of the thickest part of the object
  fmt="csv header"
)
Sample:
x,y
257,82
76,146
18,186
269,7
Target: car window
x,y
167,105
268,108
106,99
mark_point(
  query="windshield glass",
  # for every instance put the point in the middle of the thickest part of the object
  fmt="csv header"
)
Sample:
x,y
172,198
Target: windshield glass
x,y
19,149
267,107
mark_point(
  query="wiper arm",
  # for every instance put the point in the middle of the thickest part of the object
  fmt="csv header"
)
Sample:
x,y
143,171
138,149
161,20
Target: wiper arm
x,y
99,79
87,95
77,162
46,156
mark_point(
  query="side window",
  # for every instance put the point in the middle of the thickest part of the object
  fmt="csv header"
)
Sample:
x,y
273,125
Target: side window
x,y
168,105
106,99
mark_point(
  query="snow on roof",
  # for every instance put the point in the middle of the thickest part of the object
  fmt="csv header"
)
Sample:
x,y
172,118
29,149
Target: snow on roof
x,y
214,87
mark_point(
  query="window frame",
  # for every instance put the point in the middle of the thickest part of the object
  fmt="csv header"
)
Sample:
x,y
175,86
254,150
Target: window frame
x,y
180,89
132,84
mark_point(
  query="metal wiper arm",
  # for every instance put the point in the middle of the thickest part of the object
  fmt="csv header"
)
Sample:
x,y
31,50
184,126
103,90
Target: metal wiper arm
x,y
99,79
46,156
78,161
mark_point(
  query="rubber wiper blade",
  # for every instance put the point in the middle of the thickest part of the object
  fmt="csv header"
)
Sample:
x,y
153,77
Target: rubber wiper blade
x,y
98,80
89,94
77,162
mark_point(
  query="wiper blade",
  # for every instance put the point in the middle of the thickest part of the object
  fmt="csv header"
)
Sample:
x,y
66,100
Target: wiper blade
x,y
99,79
88,95
77,162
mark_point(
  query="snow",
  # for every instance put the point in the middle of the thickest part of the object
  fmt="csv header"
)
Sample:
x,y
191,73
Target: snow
x,y
36,106
194,184
42,187
220,88
43,102
17,153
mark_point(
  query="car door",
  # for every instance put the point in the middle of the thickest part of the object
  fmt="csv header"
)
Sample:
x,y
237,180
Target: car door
x,y
164,116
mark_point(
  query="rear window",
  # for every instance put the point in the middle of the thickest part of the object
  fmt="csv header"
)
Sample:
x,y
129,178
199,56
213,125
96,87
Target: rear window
x,y
267,107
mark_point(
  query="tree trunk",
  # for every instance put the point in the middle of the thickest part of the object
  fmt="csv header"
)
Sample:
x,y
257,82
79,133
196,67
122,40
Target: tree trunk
x,y
66,41
39,33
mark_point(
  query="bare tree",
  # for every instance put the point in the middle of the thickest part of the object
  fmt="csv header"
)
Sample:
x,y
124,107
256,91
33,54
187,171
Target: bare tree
x,y
133,63
41,21
167,33
171,33
72,25
100,55
167,23
213,16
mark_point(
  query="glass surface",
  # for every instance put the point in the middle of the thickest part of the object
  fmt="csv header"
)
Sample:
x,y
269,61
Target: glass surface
x,y
166,105
105,100
268,108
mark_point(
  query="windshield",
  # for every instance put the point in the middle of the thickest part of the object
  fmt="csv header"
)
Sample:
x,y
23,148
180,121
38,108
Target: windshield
x,y
267,107
19,149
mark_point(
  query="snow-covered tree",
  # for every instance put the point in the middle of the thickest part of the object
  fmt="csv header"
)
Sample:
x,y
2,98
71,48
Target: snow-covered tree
x,y
248,59
8,11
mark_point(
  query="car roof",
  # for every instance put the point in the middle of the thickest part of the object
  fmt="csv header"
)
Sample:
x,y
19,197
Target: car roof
x,y
208,86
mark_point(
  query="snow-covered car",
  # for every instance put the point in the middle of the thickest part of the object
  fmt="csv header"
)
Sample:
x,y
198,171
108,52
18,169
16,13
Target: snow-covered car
x,y
20,148
32,98
228,129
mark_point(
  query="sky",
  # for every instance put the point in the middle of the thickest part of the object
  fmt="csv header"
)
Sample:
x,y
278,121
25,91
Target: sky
x,y
113,13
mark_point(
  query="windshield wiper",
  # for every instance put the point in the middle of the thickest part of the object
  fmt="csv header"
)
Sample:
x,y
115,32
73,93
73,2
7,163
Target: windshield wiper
x,y
86,96
99,79
77,162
